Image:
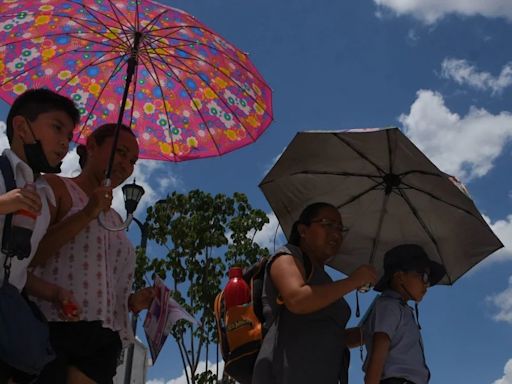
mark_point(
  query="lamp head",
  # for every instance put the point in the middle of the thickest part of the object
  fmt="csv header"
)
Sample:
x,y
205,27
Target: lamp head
x,y
132,194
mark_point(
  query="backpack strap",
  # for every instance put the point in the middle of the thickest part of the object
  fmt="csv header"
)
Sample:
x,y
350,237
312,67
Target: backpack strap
x,y
10,184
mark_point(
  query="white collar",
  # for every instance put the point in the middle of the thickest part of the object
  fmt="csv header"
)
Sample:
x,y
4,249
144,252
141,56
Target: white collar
x,y
22,171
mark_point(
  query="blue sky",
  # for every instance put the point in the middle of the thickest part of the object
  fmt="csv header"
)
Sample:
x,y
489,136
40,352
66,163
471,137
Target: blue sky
x,y
442,72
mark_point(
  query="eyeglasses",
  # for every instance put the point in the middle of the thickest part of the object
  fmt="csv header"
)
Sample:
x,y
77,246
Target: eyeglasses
x,y
424,275
331,225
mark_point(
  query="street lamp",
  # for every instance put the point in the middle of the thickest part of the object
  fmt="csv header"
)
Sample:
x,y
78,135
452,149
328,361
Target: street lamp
x,y
134,191
132,194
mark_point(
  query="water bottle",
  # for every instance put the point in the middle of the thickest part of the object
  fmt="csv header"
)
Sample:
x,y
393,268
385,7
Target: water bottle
x,y
23,223
237,291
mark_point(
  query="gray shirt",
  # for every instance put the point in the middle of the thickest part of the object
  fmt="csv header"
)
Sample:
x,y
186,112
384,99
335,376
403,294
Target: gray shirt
x,y
302,348
392,316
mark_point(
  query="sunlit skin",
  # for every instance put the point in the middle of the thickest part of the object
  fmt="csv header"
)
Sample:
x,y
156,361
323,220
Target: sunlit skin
x,y
53,129
410,285
322,238
126,155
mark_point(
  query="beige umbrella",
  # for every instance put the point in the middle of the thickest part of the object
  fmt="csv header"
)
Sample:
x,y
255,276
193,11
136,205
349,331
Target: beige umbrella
x,y
388,193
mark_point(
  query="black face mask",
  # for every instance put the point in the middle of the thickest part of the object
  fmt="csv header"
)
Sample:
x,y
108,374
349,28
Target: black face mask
x,y
36,159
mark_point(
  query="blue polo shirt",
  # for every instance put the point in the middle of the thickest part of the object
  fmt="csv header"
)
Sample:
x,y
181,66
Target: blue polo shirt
x,y
406,359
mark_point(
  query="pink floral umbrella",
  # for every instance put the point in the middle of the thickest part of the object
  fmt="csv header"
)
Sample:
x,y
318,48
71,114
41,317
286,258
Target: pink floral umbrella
x,y
186,92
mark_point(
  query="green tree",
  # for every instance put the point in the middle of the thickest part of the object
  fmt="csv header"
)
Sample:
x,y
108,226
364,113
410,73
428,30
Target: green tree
x,y
203,236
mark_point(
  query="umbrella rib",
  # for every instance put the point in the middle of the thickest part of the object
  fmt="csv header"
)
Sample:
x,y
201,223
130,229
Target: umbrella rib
x,y
361,154
430,194
191,98
187,43
309,172
425,228
116,13
92,14
8,80
97,99
390,151
353,198
213,90
52,35
156,78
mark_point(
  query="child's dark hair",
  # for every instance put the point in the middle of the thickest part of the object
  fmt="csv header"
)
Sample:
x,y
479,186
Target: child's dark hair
x,y
99,135
34,102
308,214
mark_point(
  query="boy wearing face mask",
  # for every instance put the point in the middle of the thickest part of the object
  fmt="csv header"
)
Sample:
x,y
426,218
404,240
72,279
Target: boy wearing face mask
x,y
392,332
39,127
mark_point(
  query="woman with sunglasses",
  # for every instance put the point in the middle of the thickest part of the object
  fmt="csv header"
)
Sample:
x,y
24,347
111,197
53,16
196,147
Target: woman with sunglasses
x,y
305,312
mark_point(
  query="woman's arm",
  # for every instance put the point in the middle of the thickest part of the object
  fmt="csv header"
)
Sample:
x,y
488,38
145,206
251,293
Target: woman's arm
x,y
141,299
354,337
288,276
60,297
62,229
377,358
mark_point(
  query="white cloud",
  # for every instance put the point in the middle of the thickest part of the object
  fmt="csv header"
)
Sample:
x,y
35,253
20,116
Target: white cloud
x,y
183,379
4,143
503,229
462,146
507,374
430,11
271,235
269,165
464,73
503,302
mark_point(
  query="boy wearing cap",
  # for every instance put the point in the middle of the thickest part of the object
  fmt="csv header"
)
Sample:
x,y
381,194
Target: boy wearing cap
x,y
392,333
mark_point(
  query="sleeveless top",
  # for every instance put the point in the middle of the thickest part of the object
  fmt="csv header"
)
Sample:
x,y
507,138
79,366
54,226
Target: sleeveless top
x,y
305,348
97,265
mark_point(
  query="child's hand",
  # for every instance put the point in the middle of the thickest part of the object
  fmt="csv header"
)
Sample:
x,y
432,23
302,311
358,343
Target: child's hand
x,y
66,305
99,200
20,198
141,299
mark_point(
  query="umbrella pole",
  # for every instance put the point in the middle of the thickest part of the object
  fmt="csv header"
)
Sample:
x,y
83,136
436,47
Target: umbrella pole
x,y
132,64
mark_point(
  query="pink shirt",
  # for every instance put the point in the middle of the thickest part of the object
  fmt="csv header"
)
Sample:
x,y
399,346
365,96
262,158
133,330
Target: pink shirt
x,y
97,266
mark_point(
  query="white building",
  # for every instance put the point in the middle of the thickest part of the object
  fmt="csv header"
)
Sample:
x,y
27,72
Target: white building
x,y
139,366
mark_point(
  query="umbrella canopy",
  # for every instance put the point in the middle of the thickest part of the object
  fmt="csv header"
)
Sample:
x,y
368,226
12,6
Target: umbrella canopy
x,y
193,94
388,193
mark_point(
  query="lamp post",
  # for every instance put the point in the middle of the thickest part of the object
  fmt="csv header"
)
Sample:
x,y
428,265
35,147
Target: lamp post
x,y
143,243
129,356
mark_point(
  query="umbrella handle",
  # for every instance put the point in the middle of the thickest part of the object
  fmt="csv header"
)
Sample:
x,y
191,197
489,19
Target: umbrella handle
x,y
114,228
102,216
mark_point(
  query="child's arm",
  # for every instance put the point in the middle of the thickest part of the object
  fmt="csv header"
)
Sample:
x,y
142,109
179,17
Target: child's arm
x,y
20,198
377,358
60,297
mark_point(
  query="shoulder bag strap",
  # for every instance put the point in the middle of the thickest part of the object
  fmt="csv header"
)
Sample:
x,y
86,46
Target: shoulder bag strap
x,y
10,184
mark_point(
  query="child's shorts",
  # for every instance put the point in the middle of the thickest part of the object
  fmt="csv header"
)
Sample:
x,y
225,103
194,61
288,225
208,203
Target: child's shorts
x,y
86,345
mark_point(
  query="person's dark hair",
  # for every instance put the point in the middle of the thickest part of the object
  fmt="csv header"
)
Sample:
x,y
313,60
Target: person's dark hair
x,y
308,214
99,135
34,102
